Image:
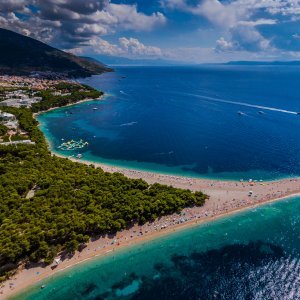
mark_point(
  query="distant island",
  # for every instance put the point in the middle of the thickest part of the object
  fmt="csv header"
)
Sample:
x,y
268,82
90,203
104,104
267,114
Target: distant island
x,y
264,63
21,55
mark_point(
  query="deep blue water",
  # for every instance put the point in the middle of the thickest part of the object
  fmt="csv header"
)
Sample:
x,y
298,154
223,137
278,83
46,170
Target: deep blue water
x,y
253,255
185,121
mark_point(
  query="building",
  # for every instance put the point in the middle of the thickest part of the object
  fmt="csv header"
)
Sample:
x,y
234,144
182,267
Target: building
x,y
23,102
5,117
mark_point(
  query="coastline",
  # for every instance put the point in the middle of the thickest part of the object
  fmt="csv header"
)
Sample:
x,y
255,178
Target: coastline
x,y
120,167
27,278
71,104
226,198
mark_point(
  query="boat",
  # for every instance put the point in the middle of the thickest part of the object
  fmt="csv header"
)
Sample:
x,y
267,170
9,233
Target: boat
x,y
79,156
298,113
95,108
261,112
43,286
241,113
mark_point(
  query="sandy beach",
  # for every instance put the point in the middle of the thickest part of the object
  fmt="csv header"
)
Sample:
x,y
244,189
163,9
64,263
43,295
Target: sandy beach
x,y
226,197
71,104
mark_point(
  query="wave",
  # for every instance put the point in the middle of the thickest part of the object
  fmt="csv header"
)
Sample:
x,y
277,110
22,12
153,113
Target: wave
x,y
242,104
123,93
164,153
128,124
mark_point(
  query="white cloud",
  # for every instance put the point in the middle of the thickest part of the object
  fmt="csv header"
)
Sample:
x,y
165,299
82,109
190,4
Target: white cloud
x,y
248,38
258,22
79,20
135,47
236,19
130,18
91,29
127,47
217,13
101,46
224,45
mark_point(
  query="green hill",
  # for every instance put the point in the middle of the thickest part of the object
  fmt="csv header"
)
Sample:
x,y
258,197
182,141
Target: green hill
x,y
21,55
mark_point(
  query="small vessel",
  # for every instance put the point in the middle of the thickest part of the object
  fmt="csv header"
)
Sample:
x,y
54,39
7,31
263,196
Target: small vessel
x,y
43,286
95,108
241,113
298,113
79,156
261,112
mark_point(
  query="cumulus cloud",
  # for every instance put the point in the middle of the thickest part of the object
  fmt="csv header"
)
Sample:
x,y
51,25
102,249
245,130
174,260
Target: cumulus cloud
x,y
127,47
247,38
134,46
224,45
9,6
240,20
71,23
130,18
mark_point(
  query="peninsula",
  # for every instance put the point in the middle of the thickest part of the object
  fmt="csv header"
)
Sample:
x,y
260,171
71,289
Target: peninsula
x,y
52,206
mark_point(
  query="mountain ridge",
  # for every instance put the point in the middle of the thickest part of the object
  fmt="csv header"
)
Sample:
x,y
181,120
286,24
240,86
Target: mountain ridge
x,y
22,55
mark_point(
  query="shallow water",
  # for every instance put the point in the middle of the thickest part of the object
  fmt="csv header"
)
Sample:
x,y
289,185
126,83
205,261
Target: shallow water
x,y
185,121
251,255
226,122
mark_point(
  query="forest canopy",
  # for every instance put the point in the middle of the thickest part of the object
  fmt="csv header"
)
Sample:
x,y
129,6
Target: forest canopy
x,y
71,201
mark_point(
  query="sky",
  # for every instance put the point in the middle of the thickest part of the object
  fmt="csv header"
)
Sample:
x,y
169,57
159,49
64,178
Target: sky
x,y
193,31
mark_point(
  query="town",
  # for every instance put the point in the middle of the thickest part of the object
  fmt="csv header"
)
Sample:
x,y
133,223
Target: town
x,y
36,94
22,91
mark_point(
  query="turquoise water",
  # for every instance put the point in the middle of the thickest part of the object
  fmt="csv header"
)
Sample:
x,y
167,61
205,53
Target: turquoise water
x,y
250,255
185,121
224,122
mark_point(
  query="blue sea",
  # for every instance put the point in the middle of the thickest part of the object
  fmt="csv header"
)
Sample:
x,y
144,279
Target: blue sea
x,y
253,255
222,122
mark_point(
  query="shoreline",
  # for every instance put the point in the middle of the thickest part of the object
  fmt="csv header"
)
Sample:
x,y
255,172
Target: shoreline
x,y
226,198
70,104
29,278
126,169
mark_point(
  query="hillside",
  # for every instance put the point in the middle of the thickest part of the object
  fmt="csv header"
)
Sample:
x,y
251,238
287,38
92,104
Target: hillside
x,y
21,55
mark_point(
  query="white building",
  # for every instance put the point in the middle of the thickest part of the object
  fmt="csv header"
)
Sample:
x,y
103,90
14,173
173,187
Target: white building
x,y
7,117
